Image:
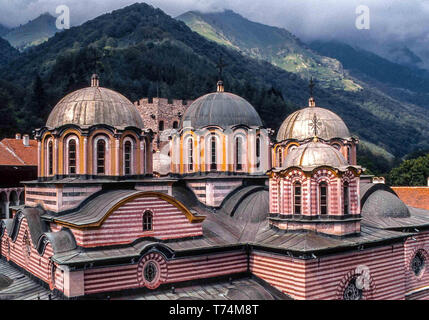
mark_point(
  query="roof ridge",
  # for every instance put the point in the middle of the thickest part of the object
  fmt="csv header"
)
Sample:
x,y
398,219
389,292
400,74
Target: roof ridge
x,y
12,153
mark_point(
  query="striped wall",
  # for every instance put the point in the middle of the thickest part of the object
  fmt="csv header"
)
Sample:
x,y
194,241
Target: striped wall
x,y
129,276
413,245
326,278
125,224
282,200
212,193
285,273
39,266
56,198
72,196
162,187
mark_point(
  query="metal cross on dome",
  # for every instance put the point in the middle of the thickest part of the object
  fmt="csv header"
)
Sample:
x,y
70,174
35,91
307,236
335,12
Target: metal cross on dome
x,y
220,65
315,125
311,86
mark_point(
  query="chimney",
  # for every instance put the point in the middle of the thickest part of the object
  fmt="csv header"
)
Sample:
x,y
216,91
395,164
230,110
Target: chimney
x,y
26,140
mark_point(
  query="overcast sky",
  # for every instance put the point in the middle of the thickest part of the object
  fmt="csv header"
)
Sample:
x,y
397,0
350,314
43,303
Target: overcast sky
x,y
399,20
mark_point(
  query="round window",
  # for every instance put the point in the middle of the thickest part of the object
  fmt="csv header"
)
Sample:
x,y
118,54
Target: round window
x,y
352,292
150,272
418,263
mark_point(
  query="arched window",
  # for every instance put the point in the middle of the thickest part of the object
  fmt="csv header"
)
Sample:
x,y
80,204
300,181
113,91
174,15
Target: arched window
x,y
161,126
191,154
349,154
175,125
323,198
258,152
101,156
72,156
418,263
127,157
147,221
297,198
50,158
346,197
352,291
213,162
279,157
238,154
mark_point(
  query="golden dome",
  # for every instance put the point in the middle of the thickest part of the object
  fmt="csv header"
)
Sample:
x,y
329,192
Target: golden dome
x,y
299,125
314,154
95,105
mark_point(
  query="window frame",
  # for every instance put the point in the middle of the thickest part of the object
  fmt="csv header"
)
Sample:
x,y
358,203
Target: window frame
x,y
147,222
97,159
258,151
297,184
50,157
323,207
67,166
190,154
346,197
131,160
213,153
238,153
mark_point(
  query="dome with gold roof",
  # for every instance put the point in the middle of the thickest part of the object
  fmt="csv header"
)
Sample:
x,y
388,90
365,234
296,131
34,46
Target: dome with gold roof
x,y
95,105
296,126
315,154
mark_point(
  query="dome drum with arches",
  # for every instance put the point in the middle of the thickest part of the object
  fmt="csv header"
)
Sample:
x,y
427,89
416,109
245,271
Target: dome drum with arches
x,y
94,132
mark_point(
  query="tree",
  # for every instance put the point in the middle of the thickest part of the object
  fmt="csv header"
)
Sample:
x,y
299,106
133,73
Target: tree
x,y
410,172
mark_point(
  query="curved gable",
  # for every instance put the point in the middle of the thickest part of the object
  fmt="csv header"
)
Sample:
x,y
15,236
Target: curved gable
x,y
116,217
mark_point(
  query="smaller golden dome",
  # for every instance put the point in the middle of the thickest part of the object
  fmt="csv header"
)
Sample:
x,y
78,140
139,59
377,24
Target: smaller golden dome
x,y
314,154
298,125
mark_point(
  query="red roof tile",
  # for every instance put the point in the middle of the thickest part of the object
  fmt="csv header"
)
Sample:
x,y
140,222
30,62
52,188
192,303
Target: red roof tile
x,y
417,197
14,153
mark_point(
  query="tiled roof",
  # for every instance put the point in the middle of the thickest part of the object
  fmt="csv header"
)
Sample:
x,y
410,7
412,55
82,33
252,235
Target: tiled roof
x,y
417,197
13,152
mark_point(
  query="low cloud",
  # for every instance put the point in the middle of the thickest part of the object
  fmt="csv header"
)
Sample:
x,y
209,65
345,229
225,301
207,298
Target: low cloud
x,y
390,20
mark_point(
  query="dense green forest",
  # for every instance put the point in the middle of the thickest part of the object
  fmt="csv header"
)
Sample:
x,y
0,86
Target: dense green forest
x,y
140,51
412,172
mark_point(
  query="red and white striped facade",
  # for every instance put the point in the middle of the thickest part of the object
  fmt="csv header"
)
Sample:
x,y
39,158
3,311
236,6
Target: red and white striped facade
x,y
58,197
22,252
325,278
416,286
282,199
125,224
385,268
172,271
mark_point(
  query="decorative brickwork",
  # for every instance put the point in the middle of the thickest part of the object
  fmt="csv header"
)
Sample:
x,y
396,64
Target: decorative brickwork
x,y
162,114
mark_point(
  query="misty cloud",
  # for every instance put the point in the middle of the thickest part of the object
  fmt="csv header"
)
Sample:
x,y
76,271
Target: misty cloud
x,y
392,21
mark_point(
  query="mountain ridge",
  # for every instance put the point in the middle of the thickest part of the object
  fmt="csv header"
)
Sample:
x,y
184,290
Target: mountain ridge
x,y
140,49
34,32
